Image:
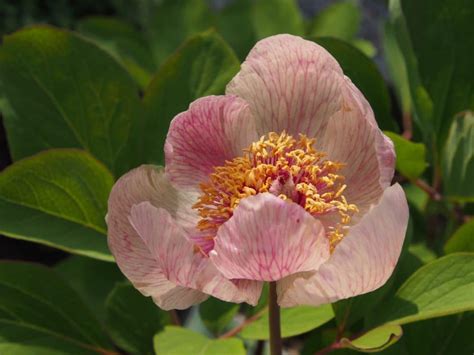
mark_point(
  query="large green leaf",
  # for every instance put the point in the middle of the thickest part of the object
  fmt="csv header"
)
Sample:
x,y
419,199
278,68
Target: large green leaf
x,y
123,42
38,310
202,66
274,17
374,340
439,64
365,75
237,15
458,159
63,91
92,279
440,288
181,341
217,314
57,198
411,161
461,240
339,20
294,321
174,21
133,319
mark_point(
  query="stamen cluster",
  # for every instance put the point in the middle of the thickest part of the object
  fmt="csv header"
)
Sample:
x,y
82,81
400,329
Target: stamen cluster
x,y
286,167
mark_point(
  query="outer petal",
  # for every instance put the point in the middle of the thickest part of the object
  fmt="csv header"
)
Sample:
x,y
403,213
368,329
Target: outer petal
x,y
290,84
133,257
268,239
361,263
213,130
178,260
352,137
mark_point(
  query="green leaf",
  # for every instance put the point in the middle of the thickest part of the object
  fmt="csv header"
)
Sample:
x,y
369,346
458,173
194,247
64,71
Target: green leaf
x,y
416,196
181,341
397,68
202,66
174,21
39,310
365,47
123,42
62,91
294,321
57,198
340,20
438,61
411,157
274,17
237,14
440,288
217,314
133,319
458,159
91,279
374,340
461,240
365,75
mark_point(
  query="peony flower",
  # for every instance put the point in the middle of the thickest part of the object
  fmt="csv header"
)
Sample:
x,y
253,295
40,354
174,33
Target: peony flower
x,y
285,178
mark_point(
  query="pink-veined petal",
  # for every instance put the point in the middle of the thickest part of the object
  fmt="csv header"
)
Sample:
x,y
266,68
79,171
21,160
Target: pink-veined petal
x,y
180,263
362,262
290,84
353,138
267,239
214,129
147,183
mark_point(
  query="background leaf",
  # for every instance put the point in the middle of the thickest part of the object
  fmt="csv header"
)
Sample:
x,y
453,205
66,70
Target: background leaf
x,y
57,198
461,240
88,103
411,160
458,159
180,341
133,319
39,310
92,279
294,321
374,340
202,66
274,17
217,314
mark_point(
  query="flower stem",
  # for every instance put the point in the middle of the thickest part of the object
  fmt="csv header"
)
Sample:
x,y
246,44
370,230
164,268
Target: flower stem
x,y
274,321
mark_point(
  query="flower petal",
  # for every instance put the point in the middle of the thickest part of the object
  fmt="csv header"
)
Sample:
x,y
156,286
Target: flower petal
x,y
213,130
147,183
267,239
180,263
353,138
290,84
361,263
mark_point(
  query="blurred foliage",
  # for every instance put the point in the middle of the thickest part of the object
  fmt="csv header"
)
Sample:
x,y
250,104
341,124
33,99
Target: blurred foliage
x,y
87,92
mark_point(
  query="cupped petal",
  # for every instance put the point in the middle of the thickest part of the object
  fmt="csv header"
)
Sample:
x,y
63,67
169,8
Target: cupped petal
x,y
362,262
290,84
214,129
353,138
267,239
180,262
147,183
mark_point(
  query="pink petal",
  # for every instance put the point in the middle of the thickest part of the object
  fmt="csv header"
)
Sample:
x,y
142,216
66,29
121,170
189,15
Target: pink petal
x,y
352,137
290,84
268,239
180,263
361,263
213,130
147,183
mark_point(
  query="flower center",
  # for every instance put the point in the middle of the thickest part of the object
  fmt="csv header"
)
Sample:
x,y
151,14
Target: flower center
x,y
286,167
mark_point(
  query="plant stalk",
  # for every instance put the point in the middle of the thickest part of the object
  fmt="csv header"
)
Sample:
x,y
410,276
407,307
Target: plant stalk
x,y
274,321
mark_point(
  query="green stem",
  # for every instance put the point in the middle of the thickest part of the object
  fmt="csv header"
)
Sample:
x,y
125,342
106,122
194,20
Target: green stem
x,y
274,321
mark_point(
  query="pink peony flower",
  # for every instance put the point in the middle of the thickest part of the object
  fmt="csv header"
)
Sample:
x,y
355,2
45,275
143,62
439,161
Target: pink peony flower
x,y
285,178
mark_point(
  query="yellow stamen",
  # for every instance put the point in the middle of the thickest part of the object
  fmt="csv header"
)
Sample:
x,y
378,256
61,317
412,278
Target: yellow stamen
x,y
291,169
